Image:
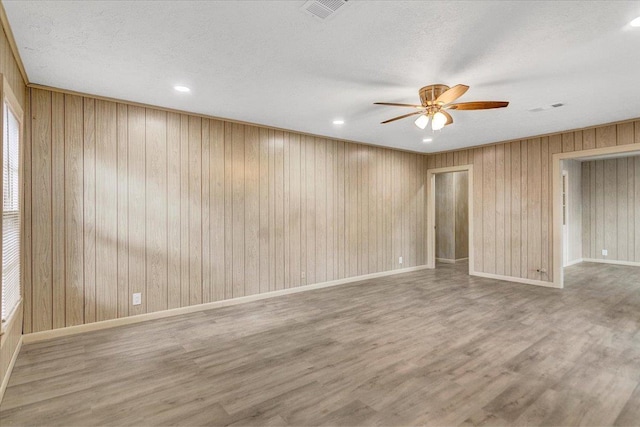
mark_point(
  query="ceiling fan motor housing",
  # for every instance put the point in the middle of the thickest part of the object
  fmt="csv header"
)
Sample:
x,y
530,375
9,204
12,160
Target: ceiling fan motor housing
x,y
429,94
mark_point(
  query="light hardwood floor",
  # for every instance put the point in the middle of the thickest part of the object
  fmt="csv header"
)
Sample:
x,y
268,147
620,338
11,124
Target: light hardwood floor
x,y
432,347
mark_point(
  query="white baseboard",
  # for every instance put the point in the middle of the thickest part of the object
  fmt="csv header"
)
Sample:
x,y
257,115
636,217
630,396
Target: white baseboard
x,y
451,261
105,324
574,262
516,279
612,261
7,375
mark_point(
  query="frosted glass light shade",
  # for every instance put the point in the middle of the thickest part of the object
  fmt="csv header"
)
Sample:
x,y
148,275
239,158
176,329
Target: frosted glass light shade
x,y
438,121
422,121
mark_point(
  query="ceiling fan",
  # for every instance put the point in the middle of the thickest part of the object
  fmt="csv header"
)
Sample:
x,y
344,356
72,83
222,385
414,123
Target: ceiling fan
x,y
436,99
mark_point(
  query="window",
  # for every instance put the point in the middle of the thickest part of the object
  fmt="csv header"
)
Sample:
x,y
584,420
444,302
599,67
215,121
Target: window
x,y
11,124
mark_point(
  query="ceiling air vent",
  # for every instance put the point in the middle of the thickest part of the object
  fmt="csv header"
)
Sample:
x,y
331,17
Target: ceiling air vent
x,y
322,9
546,107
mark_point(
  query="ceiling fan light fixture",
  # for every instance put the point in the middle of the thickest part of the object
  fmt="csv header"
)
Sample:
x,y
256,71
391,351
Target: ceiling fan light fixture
x,y
422,121
439,121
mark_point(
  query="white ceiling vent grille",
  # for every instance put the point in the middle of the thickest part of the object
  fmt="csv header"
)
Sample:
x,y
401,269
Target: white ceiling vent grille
x,y
546,107
323,9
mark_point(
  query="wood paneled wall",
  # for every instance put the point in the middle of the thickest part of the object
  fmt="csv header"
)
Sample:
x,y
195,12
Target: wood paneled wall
x,y
188,210
611,209
9,69
512,196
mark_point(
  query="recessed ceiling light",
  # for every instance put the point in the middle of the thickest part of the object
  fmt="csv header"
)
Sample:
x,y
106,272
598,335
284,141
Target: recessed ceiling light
x,y
182,88
635,22
427,140
338,122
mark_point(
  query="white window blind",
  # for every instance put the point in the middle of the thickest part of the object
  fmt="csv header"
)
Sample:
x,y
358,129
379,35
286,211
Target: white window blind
x,y
10,214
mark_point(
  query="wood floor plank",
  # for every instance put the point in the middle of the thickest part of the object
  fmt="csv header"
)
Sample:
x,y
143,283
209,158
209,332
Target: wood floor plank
x,y
431,347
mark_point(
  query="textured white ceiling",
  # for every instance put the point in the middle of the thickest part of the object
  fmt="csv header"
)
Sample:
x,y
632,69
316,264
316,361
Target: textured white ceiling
x,y
268,62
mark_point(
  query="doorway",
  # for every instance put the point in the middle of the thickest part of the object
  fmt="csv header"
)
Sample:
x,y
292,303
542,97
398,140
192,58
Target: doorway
x,y
594,214
450,218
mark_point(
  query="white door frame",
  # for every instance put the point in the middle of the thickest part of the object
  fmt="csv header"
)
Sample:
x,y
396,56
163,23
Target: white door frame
x,y
556,189
431,212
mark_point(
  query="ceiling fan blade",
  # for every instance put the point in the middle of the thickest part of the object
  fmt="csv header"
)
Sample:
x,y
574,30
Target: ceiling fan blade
x,y
401,117
452,94
393,104
449,118
478,105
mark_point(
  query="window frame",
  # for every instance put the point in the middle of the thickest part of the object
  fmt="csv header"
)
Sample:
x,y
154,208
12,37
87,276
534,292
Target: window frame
x,y
8,98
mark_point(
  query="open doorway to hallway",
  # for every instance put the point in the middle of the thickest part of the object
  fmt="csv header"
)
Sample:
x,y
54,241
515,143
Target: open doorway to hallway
x,y
452,218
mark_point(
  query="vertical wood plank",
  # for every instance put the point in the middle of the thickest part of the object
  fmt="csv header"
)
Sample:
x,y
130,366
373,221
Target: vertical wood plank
x,y
568,142
156,204
265,265
588,139
534,168
499,210
598,188
74,210
217,203
279,209
577,139
586,210
136,204
272,210
41,211
341,204
294,210
26,226
89,210
320,210
57,209
622,207
206,211
516,208
489,208
310,172
610,209
252,210
184,211
633,209
173,211
286,212
123,216
106,174
546,210
237,178
507,209
195,210
524,252
605,136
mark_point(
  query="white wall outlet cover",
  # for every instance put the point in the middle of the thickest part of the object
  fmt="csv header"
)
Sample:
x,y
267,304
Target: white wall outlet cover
x,y
400,260
137,298
605,252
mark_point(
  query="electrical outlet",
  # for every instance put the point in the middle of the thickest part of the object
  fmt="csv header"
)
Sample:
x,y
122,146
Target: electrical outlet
x,y
303,275
137,298
400,260
605,252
